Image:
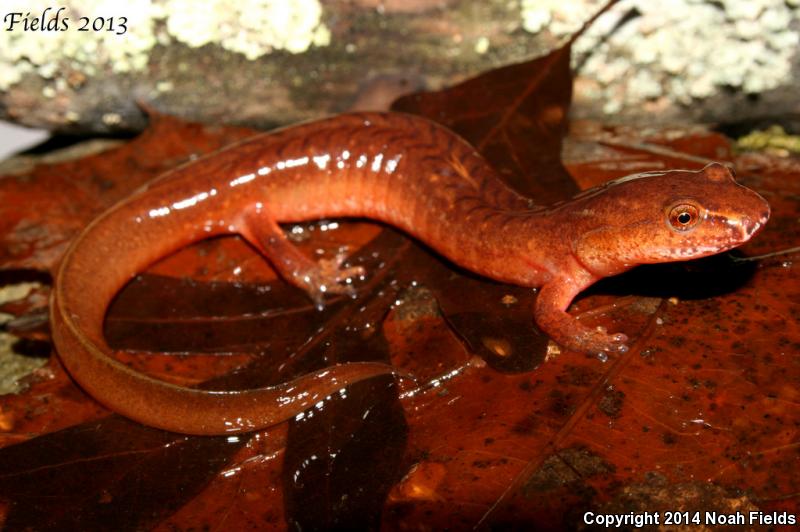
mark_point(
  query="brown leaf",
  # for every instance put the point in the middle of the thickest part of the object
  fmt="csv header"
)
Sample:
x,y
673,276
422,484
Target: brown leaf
x,y
42,210
518,127
109,471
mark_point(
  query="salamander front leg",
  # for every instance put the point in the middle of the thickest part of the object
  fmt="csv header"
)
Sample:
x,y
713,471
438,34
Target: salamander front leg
x,y
316,278
550,313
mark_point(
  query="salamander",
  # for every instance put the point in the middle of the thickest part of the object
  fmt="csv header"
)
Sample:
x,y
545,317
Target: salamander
x,y
405,171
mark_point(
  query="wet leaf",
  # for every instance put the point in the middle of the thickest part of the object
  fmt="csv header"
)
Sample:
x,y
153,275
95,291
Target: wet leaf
x,y
36,223
90,475
520,127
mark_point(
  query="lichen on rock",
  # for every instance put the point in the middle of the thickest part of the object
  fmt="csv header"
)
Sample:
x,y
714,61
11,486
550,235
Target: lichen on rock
x,y
681,50
252,28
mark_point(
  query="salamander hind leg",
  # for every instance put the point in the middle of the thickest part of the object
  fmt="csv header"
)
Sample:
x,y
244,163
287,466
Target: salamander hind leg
x,y
551,316
317,279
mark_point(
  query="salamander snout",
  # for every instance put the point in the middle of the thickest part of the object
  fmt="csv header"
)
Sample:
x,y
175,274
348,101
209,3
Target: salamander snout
x,y
756,217
745,215
752,224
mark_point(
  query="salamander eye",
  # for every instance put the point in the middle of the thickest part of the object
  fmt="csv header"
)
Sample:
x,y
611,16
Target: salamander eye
x,y
683,217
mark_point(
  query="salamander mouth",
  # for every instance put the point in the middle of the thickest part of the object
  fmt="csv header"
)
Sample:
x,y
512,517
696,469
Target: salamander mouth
x,y
751,226
741,229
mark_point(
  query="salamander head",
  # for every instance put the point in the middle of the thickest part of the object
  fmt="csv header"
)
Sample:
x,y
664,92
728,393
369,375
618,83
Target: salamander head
x,y
667,216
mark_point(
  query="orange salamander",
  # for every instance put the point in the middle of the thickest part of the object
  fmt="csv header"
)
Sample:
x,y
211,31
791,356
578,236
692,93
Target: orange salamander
x,y
402,170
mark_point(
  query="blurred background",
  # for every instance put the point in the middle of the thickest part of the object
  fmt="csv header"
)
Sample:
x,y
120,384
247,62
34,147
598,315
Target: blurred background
x,y
14,138
276,62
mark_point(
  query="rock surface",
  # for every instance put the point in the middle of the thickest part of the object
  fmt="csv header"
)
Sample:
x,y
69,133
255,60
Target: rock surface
x,y
267,63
